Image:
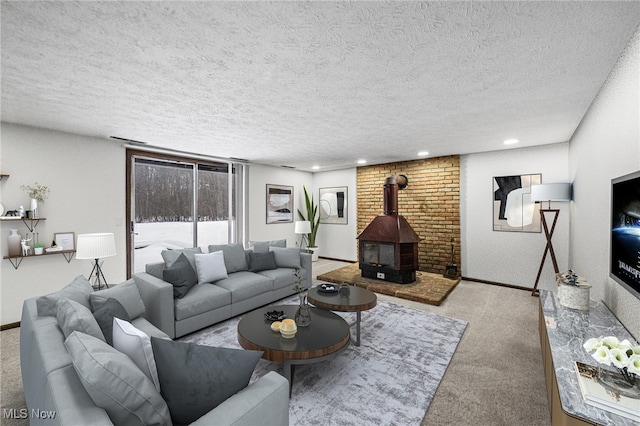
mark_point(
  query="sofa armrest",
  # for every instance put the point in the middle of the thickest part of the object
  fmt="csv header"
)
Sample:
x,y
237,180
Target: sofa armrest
x,y
157,296
264,402
307,264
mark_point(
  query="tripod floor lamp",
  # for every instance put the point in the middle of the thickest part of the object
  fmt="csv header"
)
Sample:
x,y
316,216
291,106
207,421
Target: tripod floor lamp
x,y
549,192
302,227
96,246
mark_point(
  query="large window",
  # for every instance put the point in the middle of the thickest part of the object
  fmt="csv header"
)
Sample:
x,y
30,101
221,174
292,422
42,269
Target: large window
x,y
180,202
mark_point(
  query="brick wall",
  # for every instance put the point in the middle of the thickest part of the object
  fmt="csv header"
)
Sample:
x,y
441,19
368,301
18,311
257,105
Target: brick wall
x,y
431,205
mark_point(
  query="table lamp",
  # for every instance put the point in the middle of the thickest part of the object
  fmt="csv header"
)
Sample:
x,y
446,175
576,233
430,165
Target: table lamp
x,y
96,246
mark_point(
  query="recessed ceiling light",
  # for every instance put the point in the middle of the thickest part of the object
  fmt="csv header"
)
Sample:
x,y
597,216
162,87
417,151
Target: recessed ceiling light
x,y
315,167
423,153
362,161
511,141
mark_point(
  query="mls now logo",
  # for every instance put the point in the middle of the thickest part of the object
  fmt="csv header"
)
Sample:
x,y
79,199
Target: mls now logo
x,y
23,413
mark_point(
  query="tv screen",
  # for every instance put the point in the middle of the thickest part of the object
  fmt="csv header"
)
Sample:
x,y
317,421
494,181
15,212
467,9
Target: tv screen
x,y
625,232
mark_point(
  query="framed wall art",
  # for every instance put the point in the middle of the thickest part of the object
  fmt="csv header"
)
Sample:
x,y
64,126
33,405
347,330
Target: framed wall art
x,y
333,205
279,204
66,240
513,209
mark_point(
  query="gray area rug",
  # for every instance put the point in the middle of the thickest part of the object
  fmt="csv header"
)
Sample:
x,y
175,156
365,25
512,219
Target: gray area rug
x,y
390,379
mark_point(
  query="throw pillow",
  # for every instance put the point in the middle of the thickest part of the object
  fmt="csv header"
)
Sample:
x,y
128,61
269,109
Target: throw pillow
x,y
72,316
195,379
78,290
105,314
263,246
126,293
136,345
234,256
262,261
181,275
115,383
210,267
286,257
170,256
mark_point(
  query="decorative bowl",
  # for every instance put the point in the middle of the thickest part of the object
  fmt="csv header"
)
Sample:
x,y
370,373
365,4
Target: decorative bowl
x,y
288,334
288,325
275,326
275,315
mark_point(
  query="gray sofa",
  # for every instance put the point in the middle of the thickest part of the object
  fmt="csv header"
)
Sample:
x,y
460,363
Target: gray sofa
x,y
54,390
247,286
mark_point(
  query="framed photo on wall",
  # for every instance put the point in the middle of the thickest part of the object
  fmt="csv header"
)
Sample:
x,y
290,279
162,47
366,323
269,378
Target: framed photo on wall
x,y
66,240
513,210
333,205
279,204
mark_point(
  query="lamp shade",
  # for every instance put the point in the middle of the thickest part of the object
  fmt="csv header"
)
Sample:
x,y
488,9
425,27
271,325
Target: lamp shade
x,y
95,246
551,192
302,227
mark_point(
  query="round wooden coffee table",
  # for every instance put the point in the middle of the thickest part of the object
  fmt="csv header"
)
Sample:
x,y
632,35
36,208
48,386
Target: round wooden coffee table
x,y
326,336
359,299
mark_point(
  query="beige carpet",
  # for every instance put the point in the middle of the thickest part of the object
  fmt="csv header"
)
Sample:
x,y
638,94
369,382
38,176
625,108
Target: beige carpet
x,y
428,288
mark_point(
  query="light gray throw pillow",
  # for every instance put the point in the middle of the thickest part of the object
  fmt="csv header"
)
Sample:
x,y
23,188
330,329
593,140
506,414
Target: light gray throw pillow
x,y
126,293
72,316
234,256
263,246
286,257
78,290
115,383
210,267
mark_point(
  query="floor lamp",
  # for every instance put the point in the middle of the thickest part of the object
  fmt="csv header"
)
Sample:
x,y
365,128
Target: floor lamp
x,y
96,247
549,192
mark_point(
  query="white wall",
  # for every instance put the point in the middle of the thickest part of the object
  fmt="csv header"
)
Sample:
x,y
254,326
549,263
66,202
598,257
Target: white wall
x,y
510,257
86,177
606,145
339,241
259,177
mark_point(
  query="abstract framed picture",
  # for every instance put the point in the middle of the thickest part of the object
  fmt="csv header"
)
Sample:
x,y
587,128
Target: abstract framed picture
x,y
332,204
513,210
279,204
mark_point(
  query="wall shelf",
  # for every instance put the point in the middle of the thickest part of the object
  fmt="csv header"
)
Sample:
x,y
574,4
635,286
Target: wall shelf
x,y
17,260
29,222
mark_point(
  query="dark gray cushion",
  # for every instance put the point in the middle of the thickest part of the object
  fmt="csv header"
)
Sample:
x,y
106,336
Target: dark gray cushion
x,y
181,275
73,316
104,317
262,261
78,290
114,382
195,379
126,293
263,246
170,256
234,256
286,257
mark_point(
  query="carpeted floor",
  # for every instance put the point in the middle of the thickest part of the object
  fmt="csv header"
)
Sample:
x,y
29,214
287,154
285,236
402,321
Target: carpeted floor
x,y
428,288
395,372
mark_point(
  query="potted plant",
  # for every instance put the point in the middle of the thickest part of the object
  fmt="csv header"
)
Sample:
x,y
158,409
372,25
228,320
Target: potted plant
x,y
37,193
313,216
38,248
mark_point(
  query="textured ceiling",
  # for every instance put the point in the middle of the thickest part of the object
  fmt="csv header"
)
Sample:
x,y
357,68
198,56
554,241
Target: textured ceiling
x,y
311,83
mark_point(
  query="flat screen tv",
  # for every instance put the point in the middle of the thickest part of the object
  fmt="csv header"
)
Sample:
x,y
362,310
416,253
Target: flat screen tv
x,y
625,232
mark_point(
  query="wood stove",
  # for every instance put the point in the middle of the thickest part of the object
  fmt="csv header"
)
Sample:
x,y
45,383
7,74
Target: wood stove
x,y
388,246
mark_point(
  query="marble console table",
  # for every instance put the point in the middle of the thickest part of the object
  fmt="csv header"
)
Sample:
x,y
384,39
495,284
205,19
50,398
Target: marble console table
x,y
562,333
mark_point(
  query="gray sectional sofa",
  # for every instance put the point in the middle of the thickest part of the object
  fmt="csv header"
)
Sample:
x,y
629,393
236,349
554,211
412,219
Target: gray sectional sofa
x,y
58,389
247,279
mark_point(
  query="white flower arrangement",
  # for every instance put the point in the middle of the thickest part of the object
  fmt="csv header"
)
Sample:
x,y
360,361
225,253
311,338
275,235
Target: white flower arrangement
x,y
37,192
623,355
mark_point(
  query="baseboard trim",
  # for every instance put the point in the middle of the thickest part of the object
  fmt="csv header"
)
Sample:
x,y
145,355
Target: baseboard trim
x,y
9,326
477,280
337,260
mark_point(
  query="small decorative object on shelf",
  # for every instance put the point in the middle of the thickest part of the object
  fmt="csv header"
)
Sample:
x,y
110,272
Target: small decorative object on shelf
x,y
13,241
624,357
303,314
38,194
573,291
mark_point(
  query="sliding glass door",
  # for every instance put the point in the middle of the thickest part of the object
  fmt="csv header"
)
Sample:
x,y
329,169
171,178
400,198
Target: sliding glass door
x,y
177,203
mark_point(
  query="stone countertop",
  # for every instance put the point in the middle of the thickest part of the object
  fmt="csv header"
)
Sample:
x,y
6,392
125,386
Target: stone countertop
x,y
568,329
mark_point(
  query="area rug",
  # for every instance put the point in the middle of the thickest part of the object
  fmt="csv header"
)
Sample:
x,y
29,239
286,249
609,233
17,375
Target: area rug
x,y
390,379
428,288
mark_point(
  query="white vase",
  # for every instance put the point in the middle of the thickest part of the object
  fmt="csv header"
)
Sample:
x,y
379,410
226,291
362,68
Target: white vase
x,y
15,243
315,252
34,208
